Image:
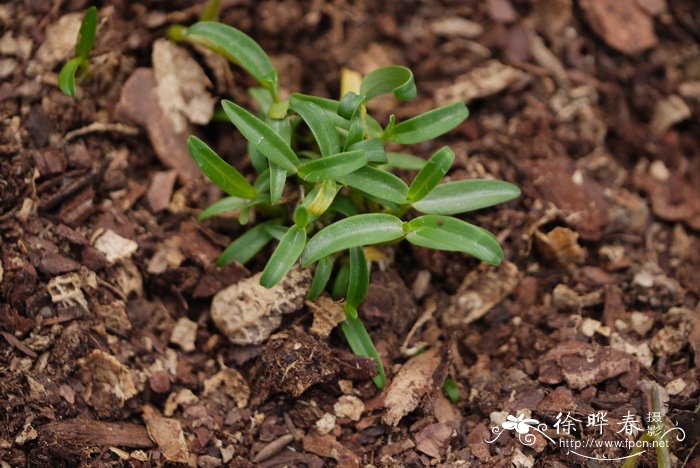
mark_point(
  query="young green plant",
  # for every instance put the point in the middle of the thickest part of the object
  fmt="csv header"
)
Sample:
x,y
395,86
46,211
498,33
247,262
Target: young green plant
x,y
324,188
78,66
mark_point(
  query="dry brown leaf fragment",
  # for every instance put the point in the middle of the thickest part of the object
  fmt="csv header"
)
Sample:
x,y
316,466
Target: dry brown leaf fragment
x,y
582,364
247,313
432,440
233,384
417,384
167,434
622,24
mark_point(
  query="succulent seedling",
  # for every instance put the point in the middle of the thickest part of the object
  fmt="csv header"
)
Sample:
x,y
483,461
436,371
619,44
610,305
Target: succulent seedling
x,y
79,64
324,189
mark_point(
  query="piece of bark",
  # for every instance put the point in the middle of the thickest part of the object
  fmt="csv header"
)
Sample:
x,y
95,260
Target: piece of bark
x,y
86,433
57,264
582,364
167,433
432,440
327,446
622,24
417,384
138,104
161,190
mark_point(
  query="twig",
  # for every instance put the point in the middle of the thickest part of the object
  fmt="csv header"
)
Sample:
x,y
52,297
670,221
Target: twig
x,y
101,127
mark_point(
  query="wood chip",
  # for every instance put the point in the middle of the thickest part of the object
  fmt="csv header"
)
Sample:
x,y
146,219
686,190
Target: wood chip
x,y
167,434
560,246
247,313
184,334
327,315
272,448
622,24
433,439
486,80
481,289
417,384
233,385
349,406
83,432
103,372
327,446
115,247
161,190
581,364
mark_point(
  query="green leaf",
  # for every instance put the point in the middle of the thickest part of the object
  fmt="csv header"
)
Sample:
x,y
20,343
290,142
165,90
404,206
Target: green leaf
x,y
332,167
283,258
449,386
245,247
329,107
446,233
404,161
466,195
320,125
340,284
364,229
277,231
263,98
237,47
262,136
321,197
429,125
394,78
222,206
349,104
66,77
374,148
355,133
342,204
431,174
358,280
361,344
302,217
378,183
324,268
278,175
86,36
219,171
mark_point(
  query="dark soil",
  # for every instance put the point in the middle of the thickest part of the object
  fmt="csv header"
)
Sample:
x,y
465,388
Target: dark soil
x,y
591,106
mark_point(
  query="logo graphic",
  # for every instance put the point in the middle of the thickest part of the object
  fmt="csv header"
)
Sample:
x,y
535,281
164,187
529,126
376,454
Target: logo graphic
x,y
565,425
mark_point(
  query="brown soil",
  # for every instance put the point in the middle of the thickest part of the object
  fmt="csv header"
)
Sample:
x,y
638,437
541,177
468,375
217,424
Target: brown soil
x,y
591,106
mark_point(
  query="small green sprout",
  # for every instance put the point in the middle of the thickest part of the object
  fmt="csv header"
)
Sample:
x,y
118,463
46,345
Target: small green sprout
x,y
79,64
324,189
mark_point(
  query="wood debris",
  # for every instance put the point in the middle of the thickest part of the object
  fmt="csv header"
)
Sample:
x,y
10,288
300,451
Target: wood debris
x,y
102,372
247,313
349,406
114,246
417,384
233,384
487,80
327,315
184,334
481,289
167,434
622,24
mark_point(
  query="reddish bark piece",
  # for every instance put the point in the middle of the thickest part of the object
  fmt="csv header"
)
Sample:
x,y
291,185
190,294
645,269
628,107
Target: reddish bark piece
x,y
89,433
56,264
432,440
622,24
502,11
49,161
138,104
161,190
582,203
327,446
582,364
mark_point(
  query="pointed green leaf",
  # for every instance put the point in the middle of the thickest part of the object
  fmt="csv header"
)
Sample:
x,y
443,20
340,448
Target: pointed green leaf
x,y
446,233
320,125
219,171
355,133
237,47
429,125
332,167
431,174
246,246
358,279
342,204
361,343
66,77
324,268
404,161
320,198
283,258
86,35
278,175
329,107
364,229
466,195
261,136
450,388
222,206
340,284
277,231
394,78
349,104
263,98
378,183
374,148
